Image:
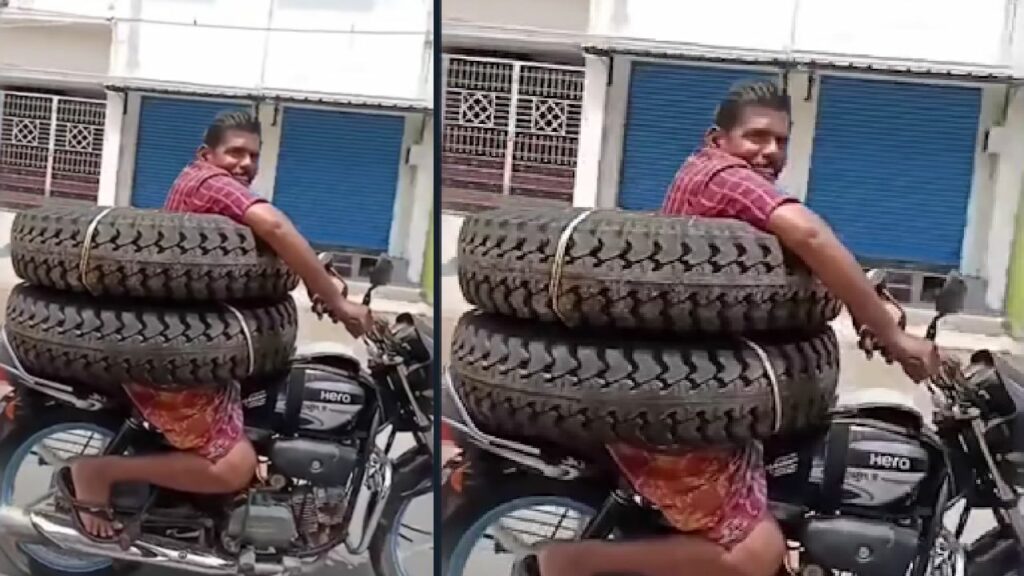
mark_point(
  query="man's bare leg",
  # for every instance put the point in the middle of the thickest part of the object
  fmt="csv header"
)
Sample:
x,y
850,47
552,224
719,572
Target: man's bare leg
x,y
182,471
760,554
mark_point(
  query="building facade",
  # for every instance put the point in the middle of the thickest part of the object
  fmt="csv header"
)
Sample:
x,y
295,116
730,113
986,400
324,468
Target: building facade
x,y
346,149
905,136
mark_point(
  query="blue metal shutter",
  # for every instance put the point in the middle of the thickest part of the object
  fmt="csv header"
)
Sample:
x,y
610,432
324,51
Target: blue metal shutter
x,y
170,131
670,110
892,167
337,175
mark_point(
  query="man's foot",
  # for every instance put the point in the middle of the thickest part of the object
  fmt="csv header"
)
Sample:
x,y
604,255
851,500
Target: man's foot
x,y
91,491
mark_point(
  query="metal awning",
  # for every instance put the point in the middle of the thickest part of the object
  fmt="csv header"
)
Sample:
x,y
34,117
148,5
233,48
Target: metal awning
x,y
268,94
797,59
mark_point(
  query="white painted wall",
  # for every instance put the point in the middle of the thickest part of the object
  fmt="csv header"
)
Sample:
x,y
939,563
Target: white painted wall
x,y
316,45
560,15
59,51
908,29
62,8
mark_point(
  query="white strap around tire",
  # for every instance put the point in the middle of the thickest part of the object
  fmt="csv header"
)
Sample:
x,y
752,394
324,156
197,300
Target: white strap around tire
x,y
83,260
773,379
248,338
556,267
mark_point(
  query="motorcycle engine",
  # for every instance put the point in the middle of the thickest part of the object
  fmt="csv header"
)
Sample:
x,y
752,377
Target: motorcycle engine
x,y
857,546
300,517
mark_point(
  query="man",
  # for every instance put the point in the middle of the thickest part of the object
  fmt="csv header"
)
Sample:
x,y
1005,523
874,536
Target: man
x,y
717,498
205,425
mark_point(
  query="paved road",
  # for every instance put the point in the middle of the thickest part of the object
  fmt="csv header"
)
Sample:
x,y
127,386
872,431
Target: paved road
x,y
418,518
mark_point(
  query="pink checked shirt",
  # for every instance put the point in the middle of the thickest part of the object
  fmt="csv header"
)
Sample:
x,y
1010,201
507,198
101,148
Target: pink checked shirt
x,y
202,188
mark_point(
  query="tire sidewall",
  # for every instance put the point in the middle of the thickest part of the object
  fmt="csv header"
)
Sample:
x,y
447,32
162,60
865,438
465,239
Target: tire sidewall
x,y
23,429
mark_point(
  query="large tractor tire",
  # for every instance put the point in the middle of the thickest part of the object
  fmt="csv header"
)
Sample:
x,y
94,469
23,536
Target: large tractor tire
x,y
75,338
628,270
145,254
531,381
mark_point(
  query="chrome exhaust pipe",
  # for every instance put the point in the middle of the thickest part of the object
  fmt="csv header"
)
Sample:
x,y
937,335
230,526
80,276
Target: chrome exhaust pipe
x,y
55,530
18,526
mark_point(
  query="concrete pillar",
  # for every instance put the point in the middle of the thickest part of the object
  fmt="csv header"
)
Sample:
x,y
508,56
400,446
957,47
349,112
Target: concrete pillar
x,y
588,151
110,161
270,151
421,159
1005,198
129,146
804,113
974,255
616,108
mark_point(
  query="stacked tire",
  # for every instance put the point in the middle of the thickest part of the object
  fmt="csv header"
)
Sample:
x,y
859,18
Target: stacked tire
x,y
167,300
616,326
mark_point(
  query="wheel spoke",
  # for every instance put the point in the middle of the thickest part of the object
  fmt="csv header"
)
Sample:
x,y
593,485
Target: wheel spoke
x,y
510,541
49,456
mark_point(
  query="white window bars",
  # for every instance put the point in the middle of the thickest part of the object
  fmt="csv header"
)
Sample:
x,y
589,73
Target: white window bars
x,y
50,146
509,128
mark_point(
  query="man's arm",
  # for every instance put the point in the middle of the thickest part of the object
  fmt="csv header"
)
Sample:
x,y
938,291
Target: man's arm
x,y
810,238
274,228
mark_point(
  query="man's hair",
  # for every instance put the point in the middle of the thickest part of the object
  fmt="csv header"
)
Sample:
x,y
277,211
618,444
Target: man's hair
x,y
761,93
225,121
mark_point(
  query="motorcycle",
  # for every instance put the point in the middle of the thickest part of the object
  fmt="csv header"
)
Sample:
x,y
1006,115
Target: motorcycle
x,y
869,492
323,433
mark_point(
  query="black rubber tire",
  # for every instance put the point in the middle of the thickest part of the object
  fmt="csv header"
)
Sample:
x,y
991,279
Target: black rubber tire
x,y
146,254
413,478
533,382
78,339
21,431
635,270
465,507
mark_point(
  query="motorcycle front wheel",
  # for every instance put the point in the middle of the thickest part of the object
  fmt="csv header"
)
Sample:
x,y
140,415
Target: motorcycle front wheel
x,y
405,527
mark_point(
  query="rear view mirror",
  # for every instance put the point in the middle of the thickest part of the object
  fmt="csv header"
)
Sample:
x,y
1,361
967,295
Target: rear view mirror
x,y
950,300
381,273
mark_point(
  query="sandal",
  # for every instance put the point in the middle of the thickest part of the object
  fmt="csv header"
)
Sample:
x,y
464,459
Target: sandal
x,y
66,488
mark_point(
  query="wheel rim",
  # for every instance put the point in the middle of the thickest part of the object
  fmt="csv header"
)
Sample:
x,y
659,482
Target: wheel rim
x,y
419,541
540,518
50,557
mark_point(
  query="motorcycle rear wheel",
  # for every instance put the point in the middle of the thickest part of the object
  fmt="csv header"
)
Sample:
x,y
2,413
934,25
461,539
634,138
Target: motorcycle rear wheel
x,y
15,450
467,515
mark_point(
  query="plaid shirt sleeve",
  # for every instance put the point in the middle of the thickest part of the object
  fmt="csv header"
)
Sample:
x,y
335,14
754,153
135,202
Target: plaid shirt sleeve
x,y
742,194
223,195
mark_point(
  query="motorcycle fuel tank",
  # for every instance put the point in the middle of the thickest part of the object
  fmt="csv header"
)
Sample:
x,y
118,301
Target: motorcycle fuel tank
x,y
330,399
882,466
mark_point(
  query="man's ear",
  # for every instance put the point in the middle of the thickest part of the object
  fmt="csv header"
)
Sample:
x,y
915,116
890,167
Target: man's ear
x,y
203,152
713,137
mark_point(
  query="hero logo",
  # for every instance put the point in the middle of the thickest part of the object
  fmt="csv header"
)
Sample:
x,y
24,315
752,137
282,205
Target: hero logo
x,y
332,396
889,461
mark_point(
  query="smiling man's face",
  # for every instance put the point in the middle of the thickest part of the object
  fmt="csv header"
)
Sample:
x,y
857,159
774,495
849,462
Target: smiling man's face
x,y
760,137
238,153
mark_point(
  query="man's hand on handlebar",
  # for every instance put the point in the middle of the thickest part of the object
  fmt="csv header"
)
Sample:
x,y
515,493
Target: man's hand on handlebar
x,y
356,317
919,357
